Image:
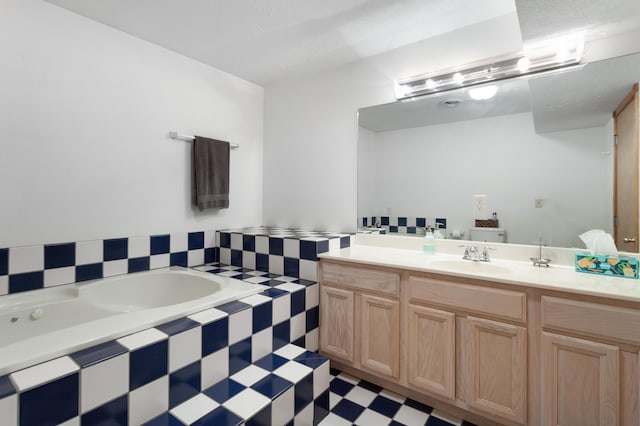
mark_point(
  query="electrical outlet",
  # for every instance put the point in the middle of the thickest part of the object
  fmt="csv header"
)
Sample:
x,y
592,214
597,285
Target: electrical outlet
x,y
538,203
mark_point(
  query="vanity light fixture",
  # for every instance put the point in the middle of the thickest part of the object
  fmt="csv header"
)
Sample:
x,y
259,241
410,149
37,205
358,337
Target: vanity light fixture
x,y
483,93
543,57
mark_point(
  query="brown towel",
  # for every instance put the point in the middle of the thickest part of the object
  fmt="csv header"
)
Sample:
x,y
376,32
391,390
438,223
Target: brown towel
x,y
210,162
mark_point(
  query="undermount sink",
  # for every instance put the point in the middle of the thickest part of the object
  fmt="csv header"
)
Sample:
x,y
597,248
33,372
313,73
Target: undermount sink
x,y
469,266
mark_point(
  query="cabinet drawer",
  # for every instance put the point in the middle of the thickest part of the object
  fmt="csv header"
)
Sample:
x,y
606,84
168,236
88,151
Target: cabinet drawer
x,y
604,321
494,302
361,278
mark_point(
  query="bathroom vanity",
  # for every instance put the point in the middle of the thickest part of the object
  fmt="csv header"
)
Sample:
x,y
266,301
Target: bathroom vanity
x,y
496,343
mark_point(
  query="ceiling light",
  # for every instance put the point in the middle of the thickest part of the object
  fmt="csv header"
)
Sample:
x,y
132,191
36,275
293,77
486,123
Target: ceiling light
x,y
483,93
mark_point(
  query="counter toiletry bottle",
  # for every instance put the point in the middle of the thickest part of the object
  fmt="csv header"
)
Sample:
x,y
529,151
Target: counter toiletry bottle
x,y
437,233
429,242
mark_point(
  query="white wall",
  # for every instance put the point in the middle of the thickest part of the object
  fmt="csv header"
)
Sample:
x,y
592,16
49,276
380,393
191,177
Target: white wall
x,y
84,115
311,129
434,171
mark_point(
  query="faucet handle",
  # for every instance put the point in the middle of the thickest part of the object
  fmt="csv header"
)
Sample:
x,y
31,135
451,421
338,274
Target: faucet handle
x,y
485,253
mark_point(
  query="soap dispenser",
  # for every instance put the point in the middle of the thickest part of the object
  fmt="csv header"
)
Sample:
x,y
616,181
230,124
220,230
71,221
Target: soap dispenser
x,y
429,242
437,233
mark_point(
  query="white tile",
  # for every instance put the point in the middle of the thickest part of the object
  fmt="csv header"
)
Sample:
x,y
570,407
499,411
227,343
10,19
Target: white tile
x,y
293,371
115,267
240,325
291,248
349,378
248,260
26,259
215,367
446,417
281,309
185,348
256,273
236,241
334,244
59,276
149,401
247,403
290,287
370,417
178,242
9,409
142,338
250,375
194,409
312,296
160,261
285,278
229,273
334,420
261,344
225,255
309,269
321,379
210,239
89,252
104,381
304,417
276,264
388,394
283,408
210,315
256,280
410,416
71,422
195,257
311,340
4,285
334,399
298,326
255,300
217,239
361,396
43,373
290,351
139,247
262,244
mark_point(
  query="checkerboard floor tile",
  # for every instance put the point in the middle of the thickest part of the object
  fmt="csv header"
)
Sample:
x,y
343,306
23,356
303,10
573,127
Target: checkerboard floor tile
x,y
357,402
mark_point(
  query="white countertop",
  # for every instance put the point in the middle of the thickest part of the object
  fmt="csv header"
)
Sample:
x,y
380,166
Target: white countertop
x,y
560,277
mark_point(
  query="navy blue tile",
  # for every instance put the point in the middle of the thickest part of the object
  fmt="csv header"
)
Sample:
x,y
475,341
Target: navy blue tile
x,y
164,419
59,255
184,384
273,283
348,410
276,246
98,353
195,240
334,371
384,220
421,222
160,244
369,386
274,292
262,316
262,262
115,412
281,334
418,406
211,255
365,221
117,248
272,386
311,359
243,276
393,229
442,222
236,257
313,319
374,219
26,282
148,364
179,259
177,326
395,423
225,240
224,390
308,250
219,417
88,272
261,418
303,392
215,336
411,230
340,387
298,301
271,362
385,406
323,246
248,242
434,421
50,404
466,423
345,242
402,221
239,355
4,261
321,407
138,264
233,307
300,341
291,267
6,387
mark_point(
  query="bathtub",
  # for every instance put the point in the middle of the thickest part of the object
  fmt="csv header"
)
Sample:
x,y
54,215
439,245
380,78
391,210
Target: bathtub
x,y
40,325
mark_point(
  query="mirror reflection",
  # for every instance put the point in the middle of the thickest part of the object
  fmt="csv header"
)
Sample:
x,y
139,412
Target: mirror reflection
x,y
541,152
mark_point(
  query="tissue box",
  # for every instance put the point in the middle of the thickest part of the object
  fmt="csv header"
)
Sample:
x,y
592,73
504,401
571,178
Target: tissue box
x,y
623,267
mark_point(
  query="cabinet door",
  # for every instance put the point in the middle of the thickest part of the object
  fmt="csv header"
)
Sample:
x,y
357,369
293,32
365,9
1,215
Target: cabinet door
x,y
336,323
580,382
431,345
380,336
496,368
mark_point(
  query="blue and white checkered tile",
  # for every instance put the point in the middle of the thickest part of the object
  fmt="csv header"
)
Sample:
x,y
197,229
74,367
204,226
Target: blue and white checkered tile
x,y
356,401
403,224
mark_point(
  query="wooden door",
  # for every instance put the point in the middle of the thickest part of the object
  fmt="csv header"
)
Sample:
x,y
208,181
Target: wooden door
x,y
496,364
380,335
336,323
432,352
626,173
580,382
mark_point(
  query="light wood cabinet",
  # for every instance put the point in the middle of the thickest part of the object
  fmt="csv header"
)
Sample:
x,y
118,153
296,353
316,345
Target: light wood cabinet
x,y
336,315
380,335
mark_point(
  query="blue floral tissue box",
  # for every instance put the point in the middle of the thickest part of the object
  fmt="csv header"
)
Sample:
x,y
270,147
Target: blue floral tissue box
x,y
623,267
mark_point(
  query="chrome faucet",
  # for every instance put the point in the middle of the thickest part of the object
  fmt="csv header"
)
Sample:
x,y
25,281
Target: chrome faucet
x,y
474,254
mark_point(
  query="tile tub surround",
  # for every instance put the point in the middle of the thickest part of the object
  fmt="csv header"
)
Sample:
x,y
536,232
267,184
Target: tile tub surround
x,y
402,224
35,267
284,251
150,373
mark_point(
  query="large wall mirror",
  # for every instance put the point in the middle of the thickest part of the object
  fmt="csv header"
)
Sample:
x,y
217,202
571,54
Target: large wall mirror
x,y
541,150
